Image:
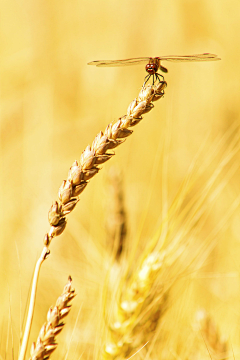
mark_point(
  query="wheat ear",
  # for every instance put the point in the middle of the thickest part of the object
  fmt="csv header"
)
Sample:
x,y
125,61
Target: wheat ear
x,y
46,341
80,174
95,155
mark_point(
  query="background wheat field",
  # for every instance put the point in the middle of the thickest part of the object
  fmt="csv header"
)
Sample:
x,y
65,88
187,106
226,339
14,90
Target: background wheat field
x,y
178,173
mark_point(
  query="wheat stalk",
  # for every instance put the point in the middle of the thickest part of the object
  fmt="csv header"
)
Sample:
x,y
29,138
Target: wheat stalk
x,y
46,341
80,174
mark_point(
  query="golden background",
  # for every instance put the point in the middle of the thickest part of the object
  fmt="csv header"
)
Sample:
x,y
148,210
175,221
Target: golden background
x,y
52,105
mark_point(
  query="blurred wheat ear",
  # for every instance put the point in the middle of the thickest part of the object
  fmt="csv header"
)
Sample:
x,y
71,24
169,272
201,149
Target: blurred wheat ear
x,y
215,343
116,219
138,310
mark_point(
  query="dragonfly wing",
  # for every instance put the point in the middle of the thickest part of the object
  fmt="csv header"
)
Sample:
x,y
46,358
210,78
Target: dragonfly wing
x,y
197,57
125,62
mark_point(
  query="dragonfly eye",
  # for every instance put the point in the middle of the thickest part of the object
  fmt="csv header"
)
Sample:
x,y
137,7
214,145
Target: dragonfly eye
x,y
151,68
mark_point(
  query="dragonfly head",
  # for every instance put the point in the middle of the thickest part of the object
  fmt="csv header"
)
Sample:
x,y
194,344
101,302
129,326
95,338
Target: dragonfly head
x,y
153,66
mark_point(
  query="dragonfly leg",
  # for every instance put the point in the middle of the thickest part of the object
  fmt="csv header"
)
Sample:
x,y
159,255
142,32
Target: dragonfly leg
x,y
146,79
159,75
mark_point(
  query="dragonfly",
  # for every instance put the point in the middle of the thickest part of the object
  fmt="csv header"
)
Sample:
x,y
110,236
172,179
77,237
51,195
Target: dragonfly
x,y
154,64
